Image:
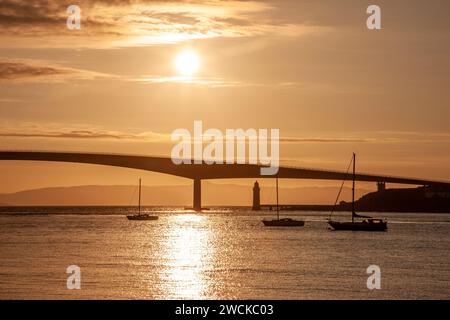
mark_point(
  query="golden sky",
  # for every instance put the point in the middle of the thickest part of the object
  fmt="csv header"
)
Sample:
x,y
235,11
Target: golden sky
x,y
310,68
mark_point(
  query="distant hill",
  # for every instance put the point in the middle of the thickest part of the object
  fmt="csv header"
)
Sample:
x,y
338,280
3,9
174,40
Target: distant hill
x,y
178,195
420,199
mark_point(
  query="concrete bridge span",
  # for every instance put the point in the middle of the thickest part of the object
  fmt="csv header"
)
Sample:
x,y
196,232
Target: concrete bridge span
x,y
199,172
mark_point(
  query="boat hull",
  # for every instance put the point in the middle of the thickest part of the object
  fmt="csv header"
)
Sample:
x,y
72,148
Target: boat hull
x,y
358,226
142,217
284,223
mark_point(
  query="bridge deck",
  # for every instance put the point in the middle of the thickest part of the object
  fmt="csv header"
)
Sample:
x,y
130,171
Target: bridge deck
x,y
201,171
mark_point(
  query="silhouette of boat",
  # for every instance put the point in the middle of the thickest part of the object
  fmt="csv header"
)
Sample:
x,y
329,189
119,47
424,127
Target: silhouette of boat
x,y
368,224
139,215
142,216
285,222
365,225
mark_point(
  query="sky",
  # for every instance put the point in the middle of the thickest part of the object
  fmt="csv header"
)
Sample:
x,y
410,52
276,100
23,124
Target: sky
x,y
311,69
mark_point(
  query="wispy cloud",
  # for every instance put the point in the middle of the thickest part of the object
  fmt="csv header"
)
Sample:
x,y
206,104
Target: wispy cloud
x,y
131,23
18,71
218,82
60,131
35,71
82,134
326,140
211,82
375,137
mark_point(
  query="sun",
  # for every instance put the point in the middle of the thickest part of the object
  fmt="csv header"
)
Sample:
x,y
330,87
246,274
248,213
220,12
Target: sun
x,y
187,62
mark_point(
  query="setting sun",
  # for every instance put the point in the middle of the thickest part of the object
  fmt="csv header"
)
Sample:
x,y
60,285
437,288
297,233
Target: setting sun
x,y
187,62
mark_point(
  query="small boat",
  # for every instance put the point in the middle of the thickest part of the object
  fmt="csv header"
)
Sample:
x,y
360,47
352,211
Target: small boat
x,y
367,224
139,215
142,216
285,222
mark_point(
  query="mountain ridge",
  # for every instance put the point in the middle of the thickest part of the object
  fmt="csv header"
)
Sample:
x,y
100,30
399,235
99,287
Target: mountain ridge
x,y
176,195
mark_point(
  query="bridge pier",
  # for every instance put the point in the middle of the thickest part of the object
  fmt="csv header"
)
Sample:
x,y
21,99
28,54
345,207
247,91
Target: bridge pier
x,y
381,186
197,195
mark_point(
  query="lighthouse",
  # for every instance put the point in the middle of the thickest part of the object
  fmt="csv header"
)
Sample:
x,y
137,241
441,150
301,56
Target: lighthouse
x,y
256,197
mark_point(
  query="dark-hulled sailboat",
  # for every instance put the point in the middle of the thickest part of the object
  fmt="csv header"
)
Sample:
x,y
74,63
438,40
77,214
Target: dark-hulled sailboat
x,y
284,222
139,215
367,224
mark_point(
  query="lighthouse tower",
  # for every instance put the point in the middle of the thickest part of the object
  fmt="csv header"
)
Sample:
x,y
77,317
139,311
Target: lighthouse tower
x,y
256,197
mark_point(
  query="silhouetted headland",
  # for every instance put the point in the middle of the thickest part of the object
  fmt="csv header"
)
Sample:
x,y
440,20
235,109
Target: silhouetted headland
x,y
422,199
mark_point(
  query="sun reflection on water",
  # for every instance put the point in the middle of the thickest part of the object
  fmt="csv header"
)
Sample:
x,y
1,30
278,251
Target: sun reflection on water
x,y
187,254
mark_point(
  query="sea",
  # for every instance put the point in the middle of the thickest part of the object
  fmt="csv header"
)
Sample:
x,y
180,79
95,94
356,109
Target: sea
x,y
220,253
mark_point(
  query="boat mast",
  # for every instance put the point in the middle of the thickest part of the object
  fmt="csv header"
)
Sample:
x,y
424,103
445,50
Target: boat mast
x,y
278,210
353,188
139,208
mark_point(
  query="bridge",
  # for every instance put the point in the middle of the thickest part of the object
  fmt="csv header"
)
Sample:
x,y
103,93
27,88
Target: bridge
x,y
199,172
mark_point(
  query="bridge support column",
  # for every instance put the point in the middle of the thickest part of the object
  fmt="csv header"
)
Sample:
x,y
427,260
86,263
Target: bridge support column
x,y
197,195
381,186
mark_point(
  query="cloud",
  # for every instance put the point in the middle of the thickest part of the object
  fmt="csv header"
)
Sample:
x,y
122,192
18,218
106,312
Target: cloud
x,y
56,131
132,23
210,82
17,70
30,130
34,71
82,134
144,136
218,82
18,12
327,140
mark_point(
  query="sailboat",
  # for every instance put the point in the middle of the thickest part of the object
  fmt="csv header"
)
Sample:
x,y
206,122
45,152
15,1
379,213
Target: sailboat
x,y
139,215
285,222
368,224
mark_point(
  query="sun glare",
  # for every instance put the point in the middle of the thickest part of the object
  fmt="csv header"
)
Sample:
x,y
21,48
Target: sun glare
x,y
187,63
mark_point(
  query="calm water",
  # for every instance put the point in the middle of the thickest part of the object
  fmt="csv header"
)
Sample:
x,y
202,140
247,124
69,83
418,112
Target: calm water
x,y
222,254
